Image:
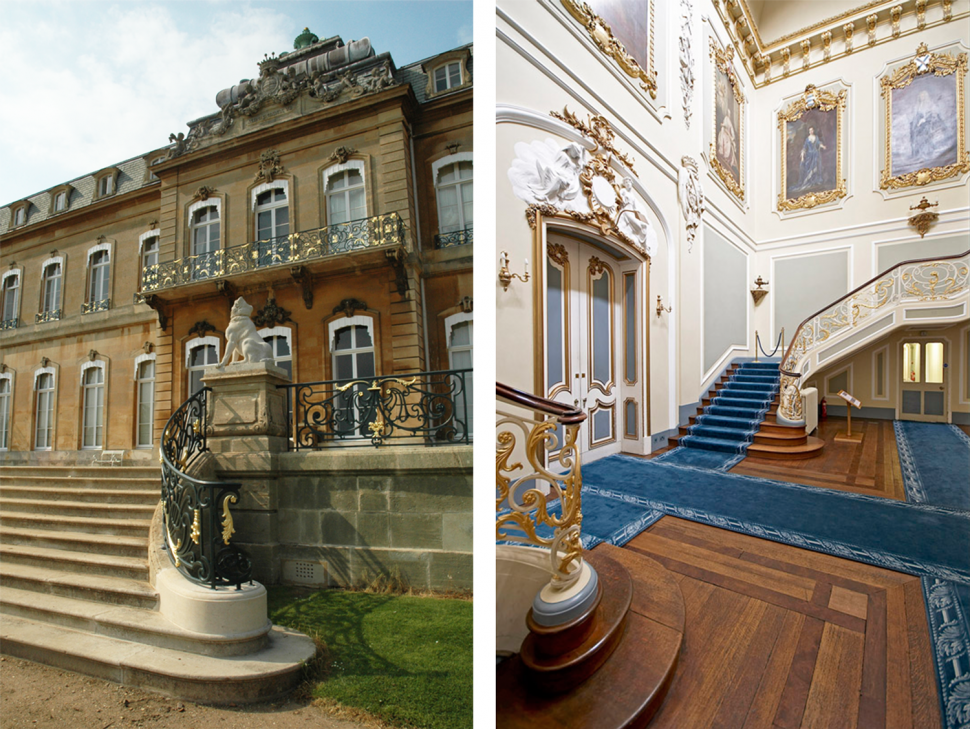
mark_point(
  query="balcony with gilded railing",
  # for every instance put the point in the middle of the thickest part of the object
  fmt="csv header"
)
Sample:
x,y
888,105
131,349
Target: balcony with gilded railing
x,y
923,283
297,248
455,238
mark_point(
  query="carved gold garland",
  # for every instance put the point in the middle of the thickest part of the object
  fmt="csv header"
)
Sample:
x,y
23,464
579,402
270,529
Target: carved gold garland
x,y
722,62
939,64
602,35
813,98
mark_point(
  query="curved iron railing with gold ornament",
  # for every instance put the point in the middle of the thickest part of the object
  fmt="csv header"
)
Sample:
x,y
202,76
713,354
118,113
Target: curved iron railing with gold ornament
x,y
927,279
198,523
547,437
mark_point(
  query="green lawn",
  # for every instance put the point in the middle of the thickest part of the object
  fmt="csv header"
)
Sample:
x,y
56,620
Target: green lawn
x,y
406,659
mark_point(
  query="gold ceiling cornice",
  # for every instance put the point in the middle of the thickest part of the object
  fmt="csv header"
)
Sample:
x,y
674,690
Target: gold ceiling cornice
x,y
864,26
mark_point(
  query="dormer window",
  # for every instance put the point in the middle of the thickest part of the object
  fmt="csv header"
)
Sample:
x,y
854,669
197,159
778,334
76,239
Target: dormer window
x,y
20,216
157,161
60,202
60,198
106,186
106,182
446,77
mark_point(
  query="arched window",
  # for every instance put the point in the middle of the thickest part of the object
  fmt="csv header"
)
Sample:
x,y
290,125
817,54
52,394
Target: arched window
x,y
353,358
272,226
200,353
205,242
145,383
99,279
458,329
51,290
11,299
281,340
346,199
6,398
453,178
92,399
44,418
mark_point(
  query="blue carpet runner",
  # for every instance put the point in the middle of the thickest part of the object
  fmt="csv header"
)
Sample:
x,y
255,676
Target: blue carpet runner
x,y
935,461
729,423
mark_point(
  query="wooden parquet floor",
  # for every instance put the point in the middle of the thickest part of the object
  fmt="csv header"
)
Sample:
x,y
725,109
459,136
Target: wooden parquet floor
x,y
778,636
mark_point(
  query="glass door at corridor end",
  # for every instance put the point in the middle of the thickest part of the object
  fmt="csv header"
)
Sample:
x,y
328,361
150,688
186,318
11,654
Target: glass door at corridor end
x,y
923,392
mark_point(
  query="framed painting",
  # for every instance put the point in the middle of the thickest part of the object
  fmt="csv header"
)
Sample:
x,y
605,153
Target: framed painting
x,y
727,149
812,139
925,120
621,29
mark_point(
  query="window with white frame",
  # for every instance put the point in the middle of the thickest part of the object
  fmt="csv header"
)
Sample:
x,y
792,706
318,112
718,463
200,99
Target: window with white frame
x,y
11,297
106,186
346,199
151,175
458,329
60,201
447,76
205,241
280,339
20,215
353,358
99,265
200,353
145,390
455,205
272,226
51,287
92,399
44,418
6,398
149,255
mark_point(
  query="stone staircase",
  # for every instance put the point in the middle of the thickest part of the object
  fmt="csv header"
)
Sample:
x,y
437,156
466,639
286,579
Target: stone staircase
x,y
74,569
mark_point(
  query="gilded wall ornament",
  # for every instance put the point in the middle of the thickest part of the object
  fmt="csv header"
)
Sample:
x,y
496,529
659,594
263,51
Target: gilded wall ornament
x,y
691,196
925,135
871,28
558,253
727,149
686,59
596,266
812,130
925,217
270,166
603,36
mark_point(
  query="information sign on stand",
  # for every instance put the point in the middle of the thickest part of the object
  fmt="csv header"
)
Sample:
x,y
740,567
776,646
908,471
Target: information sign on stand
x,y
851,402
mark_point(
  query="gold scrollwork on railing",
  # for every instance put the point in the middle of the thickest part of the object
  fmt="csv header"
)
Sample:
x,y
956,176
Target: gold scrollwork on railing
x,y
523,508
196,530
227,527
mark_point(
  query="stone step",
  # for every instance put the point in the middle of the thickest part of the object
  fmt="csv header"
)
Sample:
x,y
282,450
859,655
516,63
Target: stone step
x,y
87,495
127,623
77,508
88,563
88,525
147,484
96,588
122,546
94,472
261,676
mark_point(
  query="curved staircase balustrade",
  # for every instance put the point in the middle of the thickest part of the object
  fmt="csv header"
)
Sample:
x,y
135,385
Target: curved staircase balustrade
x,y
524,513
928,279
198,523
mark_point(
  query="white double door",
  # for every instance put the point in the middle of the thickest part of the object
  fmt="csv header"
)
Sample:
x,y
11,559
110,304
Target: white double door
x,y
593,342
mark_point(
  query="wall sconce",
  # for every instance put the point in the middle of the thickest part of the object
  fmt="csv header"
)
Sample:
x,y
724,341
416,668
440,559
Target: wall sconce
x,y
759,293
661,308
925,217
505,276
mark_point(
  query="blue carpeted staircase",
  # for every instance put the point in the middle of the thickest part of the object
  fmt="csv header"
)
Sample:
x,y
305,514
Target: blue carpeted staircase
x,y
728,424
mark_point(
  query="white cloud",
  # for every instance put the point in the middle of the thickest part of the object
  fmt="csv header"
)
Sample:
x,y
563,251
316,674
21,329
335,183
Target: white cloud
x,y
465,34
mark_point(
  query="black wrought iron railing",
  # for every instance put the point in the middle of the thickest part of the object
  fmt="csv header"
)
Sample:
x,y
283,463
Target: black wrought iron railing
x,y
93,306
46,316
455,238
381,230
432,408
9,323
198,522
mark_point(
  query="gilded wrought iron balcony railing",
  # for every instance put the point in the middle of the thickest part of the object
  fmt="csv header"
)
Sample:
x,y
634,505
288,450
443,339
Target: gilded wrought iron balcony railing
x,y
333,240
922,280
539,502
9,323
455,238
93,306
46,316
430,408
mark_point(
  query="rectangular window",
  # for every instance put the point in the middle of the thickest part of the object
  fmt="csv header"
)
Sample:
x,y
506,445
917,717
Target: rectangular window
x,y
880,374
5,397
934,363
43,433
20,216
60,202
447,77
11,292
106,186
911,357
146,403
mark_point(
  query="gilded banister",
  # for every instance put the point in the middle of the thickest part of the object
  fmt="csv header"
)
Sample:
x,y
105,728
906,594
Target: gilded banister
x,y
923,280
526,493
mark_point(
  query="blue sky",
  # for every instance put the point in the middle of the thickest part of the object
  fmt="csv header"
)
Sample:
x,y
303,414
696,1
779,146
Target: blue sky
x,y
91,83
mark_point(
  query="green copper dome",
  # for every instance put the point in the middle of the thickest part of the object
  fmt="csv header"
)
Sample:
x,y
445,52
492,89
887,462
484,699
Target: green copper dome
x,y
306,38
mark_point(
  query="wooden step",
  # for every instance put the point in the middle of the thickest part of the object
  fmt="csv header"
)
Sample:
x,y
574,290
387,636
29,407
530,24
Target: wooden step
x,y
630,686
781,438
809,449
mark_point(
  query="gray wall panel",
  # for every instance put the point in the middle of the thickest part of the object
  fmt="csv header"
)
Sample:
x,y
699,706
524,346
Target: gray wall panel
x,y
890,255
725,297
804,284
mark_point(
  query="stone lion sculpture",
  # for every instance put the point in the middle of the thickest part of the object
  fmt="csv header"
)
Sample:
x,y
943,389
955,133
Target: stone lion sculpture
x,y
241,337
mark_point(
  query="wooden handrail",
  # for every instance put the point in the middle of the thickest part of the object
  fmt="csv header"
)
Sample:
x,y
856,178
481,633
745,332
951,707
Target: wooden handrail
x,y
784,357
563,413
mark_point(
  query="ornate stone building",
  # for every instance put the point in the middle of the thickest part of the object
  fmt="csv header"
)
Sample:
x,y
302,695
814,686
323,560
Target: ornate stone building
x,y
333,191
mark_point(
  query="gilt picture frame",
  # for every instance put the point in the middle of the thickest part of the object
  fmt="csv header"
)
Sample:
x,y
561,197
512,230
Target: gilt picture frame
x,y
727,147
925,120
812,133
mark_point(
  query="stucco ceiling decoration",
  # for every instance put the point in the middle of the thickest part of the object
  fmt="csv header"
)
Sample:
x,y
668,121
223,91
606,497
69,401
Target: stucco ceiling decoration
x,y
567,180
773,34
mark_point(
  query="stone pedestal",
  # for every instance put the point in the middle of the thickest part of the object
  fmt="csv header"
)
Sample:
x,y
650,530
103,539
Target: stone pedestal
x,y
245,433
